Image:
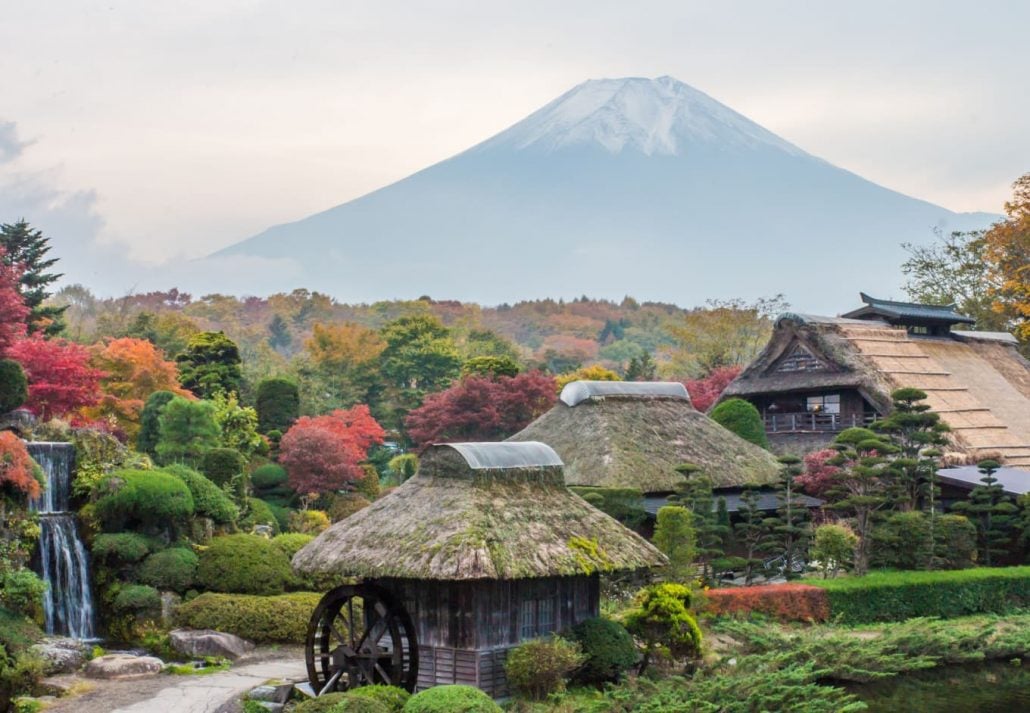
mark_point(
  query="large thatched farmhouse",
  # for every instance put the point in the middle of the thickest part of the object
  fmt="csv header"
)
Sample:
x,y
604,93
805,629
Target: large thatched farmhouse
x,y
819,375
483,548
620,434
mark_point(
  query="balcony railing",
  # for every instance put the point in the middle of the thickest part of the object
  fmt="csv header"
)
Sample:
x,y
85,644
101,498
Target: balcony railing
x,y
815,422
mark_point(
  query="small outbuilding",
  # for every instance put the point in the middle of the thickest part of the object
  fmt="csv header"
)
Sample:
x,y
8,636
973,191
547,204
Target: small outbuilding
x,y
483,548
625,434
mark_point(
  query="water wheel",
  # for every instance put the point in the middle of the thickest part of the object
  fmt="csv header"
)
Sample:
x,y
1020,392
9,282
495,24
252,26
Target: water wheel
x,y
360,635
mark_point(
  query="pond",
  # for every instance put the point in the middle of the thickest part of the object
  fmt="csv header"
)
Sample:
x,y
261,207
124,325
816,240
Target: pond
x,y
987,688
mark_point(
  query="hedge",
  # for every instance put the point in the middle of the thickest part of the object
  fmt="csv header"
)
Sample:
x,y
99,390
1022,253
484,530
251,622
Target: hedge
x,y
786,602
281,618
243,564
894,596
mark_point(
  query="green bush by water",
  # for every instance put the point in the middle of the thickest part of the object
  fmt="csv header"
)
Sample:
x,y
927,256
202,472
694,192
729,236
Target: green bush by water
x,y
143,499
174,569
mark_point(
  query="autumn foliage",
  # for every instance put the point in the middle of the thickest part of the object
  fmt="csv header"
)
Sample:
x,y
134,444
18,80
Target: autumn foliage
x,y
705,391
16,466
786,602
817,476
61,379
14,313
323,454
477,408
133,369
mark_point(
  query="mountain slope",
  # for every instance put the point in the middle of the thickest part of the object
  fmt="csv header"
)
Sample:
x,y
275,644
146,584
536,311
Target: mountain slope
x,y
620,186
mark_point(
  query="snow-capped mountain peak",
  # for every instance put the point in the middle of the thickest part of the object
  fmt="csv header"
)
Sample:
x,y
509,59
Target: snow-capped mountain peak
x,y
660,116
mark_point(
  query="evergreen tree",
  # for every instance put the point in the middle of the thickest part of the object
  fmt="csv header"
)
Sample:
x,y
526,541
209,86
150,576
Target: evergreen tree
x,y
149,424
28,249
790,529
641,368
917,432
210,365
695,494
277,404
279,337
674,535
992,511
753,535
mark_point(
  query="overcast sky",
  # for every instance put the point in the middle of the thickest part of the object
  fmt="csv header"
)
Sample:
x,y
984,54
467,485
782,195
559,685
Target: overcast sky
x,y
172,129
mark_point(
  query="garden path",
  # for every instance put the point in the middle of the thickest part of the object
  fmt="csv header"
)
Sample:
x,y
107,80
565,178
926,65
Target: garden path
x,y
186,694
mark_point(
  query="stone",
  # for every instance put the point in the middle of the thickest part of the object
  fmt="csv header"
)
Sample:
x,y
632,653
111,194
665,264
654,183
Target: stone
x,y
60,654
271,693
123,666
198,643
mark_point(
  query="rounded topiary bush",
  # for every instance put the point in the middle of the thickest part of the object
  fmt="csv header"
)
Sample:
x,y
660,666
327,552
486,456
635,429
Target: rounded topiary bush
x,y
259,513
134,499
121,547
322,704
290,543
448,699
174,569
538,668
608,648
208,499
243,564
268,476
137,599
742,418
221,465
392,697
14,387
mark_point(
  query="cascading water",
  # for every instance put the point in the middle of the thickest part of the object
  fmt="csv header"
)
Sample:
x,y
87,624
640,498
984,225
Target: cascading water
x,y
68,602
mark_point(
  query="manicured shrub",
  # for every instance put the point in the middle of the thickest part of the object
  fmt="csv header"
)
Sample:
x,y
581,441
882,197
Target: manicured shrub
x,y
607,647
369,485
674,535
281,515
786,602
278,404
538,668
282,618
14,387
22,590
268,476
390,696
359,704
955,539
624,504
833,547
894,596
322,704
149,426
661,621
243,564
448,699
121,548
290,543
208,499
137,599
902,541
186,430
309,522
259,513
174,569
135,499
222,465
742,418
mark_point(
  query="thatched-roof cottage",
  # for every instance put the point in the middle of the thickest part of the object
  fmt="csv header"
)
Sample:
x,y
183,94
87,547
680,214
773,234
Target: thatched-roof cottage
x,y
615,434
483,548
819,375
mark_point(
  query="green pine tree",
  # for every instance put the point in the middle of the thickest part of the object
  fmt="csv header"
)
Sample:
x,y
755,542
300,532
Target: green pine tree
x,y
992,511
753,535
791,528
695,494
27,248
642,368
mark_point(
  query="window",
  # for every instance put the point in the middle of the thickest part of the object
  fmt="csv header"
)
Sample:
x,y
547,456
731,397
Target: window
x,y
528,630
537,618
826,403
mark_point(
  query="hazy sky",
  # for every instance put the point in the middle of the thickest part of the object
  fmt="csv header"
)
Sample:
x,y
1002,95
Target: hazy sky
x,y
175,128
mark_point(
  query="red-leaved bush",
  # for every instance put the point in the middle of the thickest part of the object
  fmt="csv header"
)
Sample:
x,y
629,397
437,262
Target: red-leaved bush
x,y
477,408
786,602
704,392
16,467
323,454
818,474
60,377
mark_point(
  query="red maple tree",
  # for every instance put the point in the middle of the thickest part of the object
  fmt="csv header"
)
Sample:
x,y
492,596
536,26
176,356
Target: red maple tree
x,y
323,454
13,311
477,408
704,392
818,474
16,467
60,377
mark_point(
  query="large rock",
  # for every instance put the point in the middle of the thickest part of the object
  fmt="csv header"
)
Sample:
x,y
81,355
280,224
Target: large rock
x,y
123,666
60,654
198,643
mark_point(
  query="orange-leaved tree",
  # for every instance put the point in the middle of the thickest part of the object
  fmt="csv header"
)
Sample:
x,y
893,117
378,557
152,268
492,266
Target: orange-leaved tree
x,y
323,454
17,470
1007,252
61,380
133,370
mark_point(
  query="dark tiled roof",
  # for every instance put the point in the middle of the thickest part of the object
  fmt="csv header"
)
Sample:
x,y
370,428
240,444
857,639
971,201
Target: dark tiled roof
x,y
909,310
767,501
1015,481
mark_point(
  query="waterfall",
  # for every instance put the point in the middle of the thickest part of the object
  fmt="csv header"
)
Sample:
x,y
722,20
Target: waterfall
x,y
68,602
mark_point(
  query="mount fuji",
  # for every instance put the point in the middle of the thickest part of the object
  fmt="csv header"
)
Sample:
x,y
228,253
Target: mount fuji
x,y
642,187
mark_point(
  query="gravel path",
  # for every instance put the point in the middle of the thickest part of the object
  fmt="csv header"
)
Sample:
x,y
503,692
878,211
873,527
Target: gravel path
x,y
186,694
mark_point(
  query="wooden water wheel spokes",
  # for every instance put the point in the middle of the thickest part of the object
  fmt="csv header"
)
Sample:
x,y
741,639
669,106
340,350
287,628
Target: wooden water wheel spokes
x,y
360,635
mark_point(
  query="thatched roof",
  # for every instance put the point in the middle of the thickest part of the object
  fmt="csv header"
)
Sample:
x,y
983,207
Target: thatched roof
x,y
635,437
479,511
977,382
